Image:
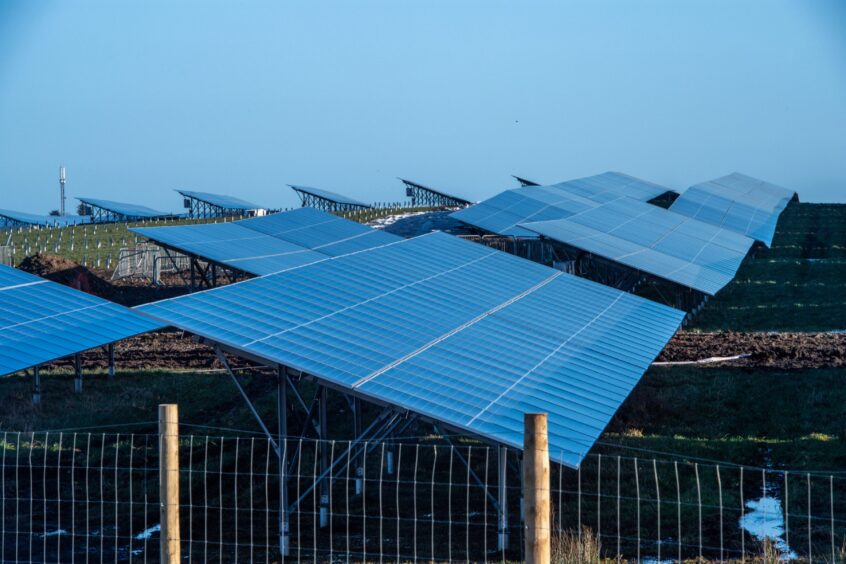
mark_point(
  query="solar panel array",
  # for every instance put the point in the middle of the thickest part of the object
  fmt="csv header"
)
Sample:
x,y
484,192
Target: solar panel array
x,y
327,195
42,220
222,201
271,243
42,321
504,213
654,240
448,329
737,202
130,211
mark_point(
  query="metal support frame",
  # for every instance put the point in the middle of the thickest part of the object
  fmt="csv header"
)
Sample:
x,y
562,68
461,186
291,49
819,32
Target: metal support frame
x,y
200,209
473,474
524,181
310,200
423,196
77,373
358,470
502,493
324,458
110,351
36,385
282,430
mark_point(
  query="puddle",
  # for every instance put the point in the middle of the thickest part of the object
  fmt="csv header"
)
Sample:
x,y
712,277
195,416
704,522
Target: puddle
x,y
765,520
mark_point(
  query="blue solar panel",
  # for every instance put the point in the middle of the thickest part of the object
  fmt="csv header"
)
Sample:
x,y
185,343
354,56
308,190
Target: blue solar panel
x,y
271,243
612,185
452,330
654,240
504,213
737,202
327,195
42,220
42,321
226,202
130,211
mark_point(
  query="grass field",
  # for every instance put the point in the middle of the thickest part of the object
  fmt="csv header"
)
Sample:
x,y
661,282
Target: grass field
x,y
99,245
797,285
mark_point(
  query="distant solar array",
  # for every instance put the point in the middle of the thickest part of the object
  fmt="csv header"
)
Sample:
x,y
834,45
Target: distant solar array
x,y
108,210
270,243
448,329
9,218
737,202
41,321
653,240
204,204
326,200
425,196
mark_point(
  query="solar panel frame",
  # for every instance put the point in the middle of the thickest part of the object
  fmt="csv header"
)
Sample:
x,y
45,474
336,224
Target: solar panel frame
x,y
41,321
124,209
328,195
655,241
360,322
221,200
270,243
738,202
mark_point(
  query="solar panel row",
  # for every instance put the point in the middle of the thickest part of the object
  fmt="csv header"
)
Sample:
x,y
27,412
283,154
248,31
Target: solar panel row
x,y
23,218
653,240
327,195
42,321
448,329
222,201
128,211
271,243
738,202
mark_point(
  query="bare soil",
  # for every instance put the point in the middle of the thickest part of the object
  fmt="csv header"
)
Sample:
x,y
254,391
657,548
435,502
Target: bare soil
x,y
767,350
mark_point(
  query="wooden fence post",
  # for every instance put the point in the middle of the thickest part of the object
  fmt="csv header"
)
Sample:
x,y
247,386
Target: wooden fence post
x,y
169,482
536,488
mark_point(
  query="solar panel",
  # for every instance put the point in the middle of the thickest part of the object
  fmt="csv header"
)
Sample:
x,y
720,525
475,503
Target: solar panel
x,y
42,220
612,185
654,240
271,243
737,202
504,213
327,195
451,330
42,321
124,209
222,201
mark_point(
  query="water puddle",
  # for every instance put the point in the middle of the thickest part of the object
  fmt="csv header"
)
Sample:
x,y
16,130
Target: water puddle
x,y
765,520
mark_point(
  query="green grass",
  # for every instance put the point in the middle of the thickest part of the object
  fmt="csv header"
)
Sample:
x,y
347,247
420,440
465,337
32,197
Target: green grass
x,y
799,284
93,244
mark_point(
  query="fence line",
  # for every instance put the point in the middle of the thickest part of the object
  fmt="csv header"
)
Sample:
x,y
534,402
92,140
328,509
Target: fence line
x,y
87,496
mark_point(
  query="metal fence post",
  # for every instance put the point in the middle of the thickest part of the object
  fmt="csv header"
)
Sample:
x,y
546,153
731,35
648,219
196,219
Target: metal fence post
x,y
536,488
169,482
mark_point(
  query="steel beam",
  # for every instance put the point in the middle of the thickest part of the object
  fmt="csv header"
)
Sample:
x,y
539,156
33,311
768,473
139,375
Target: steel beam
x,y
282,430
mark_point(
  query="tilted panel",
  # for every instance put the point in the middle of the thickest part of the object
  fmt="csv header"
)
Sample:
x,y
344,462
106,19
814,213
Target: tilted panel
x,y
455,331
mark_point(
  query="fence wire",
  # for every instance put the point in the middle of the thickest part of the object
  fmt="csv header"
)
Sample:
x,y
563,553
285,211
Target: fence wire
x,y
79,497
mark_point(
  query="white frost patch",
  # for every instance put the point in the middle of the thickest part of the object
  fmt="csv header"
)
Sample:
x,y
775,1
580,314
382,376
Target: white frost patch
x,y
144,535
765,520
56,533
383,222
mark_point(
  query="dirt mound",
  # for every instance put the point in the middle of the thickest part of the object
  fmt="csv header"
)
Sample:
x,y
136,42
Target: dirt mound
x,y
67,272
767,350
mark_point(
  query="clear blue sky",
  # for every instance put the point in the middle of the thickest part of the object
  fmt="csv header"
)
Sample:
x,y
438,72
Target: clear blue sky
x,y
139,98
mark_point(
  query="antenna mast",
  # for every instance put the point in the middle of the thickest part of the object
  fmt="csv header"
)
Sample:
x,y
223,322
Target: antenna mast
x,y
62,179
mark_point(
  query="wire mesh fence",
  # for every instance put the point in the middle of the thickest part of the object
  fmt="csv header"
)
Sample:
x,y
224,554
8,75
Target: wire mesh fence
x,y
82,497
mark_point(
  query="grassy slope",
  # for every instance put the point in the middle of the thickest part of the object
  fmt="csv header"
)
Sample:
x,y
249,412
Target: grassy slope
x,y
799,284
86,243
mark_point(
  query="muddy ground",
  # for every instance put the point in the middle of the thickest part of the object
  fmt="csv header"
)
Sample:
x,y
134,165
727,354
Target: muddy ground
x,y
177,351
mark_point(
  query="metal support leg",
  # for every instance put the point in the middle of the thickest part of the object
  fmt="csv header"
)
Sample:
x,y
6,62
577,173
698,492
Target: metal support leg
x,y
359,471
111,360
77,370
324,460
502,517
36,385
282,416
